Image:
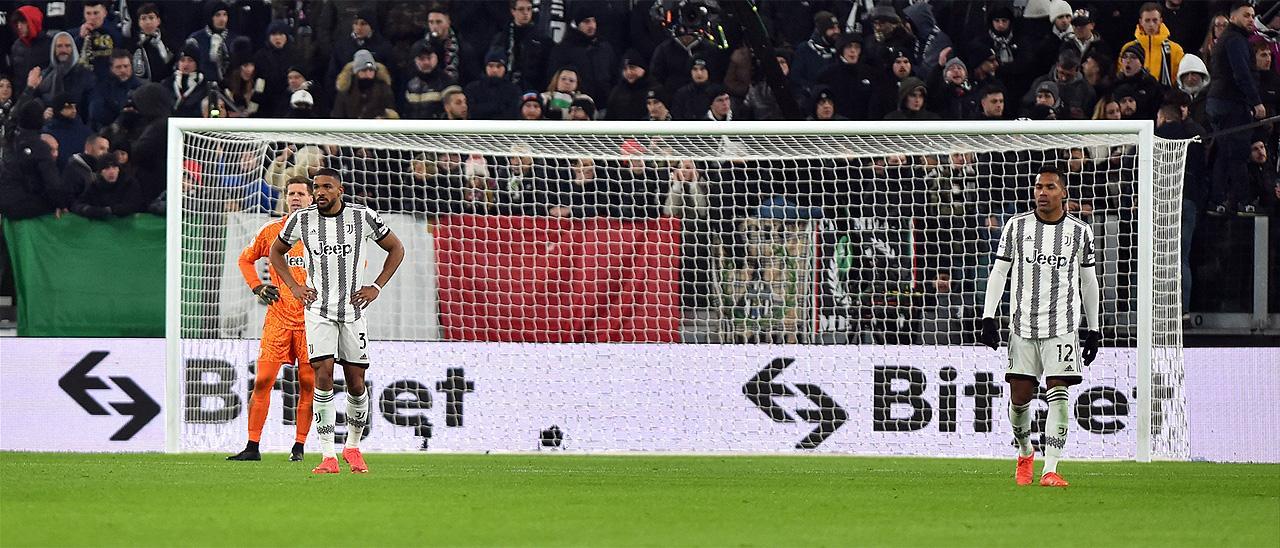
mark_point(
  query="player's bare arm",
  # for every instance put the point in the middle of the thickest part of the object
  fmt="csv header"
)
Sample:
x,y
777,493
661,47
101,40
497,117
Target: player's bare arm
x,y
395,255
303,293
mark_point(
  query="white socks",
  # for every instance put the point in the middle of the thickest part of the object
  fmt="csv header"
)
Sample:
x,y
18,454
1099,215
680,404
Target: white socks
x,y
1020,418
1055,427
357,418
325,417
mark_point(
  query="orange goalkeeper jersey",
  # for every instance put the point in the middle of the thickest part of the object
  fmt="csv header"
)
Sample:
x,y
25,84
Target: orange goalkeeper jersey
x,y
286,313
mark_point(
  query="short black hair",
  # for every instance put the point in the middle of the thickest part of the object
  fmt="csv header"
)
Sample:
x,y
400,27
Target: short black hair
x,y
327,172
298,180
990,89
1054,169
149,7
89,3
121,53
1241,4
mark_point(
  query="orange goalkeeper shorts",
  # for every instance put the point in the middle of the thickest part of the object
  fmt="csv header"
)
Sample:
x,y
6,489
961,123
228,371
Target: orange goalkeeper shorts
x,y
280,345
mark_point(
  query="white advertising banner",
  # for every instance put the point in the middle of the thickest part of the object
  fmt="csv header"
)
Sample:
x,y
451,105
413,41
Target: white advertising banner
x,y
105,395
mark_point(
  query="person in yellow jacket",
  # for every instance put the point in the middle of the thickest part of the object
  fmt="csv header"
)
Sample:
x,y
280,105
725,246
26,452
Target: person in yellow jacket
x,y
1162,54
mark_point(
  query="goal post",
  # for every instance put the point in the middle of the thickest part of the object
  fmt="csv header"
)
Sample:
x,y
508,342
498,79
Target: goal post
x,y
837,241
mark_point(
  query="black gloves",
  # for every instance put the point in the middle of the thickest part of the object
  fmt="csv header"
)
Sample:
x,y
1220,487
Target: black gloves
x,y
990,335
1089,345
267,294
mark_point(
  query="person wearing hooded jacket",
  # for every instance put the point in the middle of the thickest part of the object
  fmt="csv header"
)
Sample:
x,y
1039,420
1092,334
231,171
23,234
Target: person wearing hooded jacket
x,y
818,53
213,42
111,193
492,97
424,83
626,101
593,57
1161,55
526,47
271,63
949,88
363,36
64,76
850,79
931,40
1075,96
912,96
692,100
364,89
186,86
1193,79
153,105
29,179
31,48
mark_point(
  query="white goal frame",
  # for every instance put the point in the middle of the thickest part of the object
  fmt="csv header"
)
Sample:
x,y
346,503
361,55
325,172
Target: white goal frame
x,y
1143,130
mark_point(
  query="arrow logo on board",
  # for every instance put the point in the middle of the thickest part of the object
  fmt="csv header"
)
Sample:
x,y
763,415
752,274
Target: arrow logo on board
x,y
829,416
77,383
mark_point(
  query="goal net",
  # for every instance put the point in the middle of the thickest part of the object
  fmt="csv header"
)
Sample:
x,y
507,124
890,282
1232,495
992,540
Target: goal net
x,y
744,287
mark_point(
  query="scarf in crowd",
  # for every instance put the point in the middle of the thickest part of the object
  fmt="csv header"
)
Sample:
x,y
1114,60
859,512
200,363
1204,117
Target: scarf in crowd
x,y
142,60
1003,45
1166,69
820,46
218,50
186,84
452,62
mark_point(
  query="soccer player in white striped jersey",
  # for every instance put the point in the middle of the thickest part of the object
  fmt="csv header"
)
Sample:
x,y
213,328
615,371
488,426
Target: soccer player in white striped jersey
x,y
334,235
1050,254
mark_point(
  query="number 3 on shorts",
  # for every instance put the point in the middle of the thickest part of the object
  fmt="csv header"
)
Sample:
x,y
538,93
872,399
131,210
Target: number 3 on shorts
x,y
363,343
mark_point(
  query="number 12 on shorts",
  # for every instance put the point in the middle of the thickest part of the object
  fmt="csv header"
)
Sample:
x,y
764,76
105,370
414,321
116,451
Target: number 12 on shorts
x,y
1064,357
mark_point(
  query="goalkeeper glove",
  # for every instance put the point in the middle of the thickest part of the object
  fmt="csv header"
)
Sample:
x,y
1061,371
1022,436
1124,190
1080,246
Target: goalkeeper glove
x,y
1089,347
267,294
990,335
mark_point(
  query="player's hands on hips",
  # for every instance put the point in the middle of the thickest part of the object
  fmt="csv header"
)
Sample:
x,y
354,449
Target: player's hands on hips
x,y
990,335
364,296
1089,345
303,293
267,294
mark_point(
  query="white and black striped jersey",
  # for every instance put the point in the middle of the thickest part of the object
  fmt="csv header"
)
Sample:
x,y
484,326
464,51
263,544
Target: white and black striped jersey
x,y
1044,283
335,254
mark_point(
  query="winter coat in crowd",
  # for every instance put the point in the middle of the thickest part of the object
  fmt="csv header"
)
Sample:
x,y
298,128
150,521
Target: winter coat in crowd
x,y
1161,55
213,44
154,105
492,99
70,133
1191,64
29,176
1077,96
526,51
593,57
95,48
627,100
154,54
103,198
366,101
29,50
344,51
272,65
108,98
852,85
1231,69
908,85
669,66
69,79
812,57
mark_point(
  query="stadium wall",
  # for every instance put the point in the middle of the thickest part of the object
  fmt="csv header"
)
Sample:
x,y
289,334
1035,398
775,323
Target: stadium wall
x,y
106,395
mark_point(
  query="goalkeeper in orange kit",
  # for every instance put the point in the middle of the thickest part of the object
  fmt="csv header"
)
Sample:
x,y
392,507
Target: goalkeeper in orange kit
x,y
284,333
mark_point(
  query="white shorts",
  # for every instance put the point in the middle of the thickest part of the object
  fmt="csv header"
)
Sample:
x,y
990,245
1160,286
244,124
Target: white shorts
x,y
1053,358
346,342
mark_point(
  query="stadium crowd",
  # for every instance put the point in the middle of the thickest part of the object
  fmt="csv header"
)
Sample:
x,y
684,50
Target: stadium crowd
x,y
85,85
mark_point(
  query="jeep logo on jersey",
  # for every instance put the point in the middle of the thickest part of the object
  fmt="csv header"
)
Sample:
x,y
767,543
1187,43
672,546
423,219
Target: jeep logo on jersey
x,y
334,249
1056,261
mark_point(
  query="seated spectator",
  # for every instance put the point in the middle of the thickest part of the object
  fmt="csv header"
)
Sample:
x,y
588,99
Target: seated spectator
x,y
111,193
29,177
492,97
425,81
655,102
531,106
583,109
110,95
364,89
65,76
1074,94
560,93
824,105
95,40
83,166
525,45
363,37
31,48
911,101
582,47
454,101
212,41
272,64
186,86
580,196
243,86
66,127
990,104
849,78
692,100
154,52
626,101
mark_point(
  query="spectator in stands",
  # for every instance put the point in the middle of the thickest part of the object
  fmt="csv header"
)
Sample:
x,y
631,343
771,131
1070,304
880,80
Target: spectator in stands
x,y
82,166
886,87
31,48
243,86
594,59
186,86
454,102
479,193
721,108
669,66
1082,38
1047,103
1262,181
271,64
561,92
154,105
362,37
518,184
64,76
154,51
640,185
110,95
579,196
1234,100
1160,54
890,39
1195,191
655,102
1185,20
66,127
29,177
1108,108
687,192
212,41
526,47
949,86
95,40
458,54
1216,28
626,100
1060,30
401,23
301,105
760,102
998,37
296,80
1193,79
1133,76
818,53
692,100
111,193
850,79
911,100
990,104
364,89
1075,95
1268,79
6,113
493,97
583,109
824,105
425,81
1096,67
531,106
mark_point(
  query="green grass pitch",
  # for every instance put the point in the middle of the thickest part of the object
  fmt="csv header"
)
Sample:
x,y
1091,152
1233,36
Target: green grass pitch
x,y
516,500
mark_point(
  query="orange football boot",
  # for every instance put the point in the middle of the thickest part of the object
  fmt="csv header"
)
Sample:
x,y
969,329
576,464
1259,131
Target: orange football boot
x,y
327,466
355,460
1052,479
1025,472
